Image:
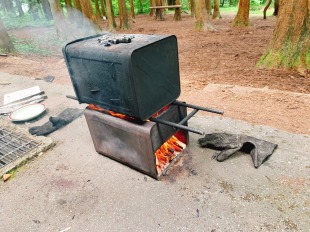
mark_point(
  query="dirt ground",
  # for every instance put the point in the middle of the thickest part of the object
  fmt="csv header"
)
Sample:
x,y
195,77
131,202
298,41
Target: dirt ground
x,y
215,67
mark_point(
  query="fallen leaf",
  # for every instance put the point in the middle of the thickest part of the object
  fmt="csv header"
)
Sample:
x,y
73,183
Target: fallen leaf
x,y
6,177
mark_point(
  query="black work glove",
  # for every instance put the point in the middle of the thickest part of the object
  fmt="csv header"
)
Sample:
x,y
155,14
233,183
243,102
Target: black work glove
x,y
54,123
229,144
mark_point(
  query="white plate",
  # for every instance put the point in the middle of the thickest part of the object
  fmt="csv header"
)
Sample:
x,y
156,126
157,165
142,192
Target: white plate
x,y
27,112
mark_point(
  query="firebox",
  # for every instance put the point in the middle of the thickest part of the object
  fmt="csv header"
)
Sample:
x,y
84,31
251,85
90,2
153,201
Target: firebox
x,y
131,83
137,144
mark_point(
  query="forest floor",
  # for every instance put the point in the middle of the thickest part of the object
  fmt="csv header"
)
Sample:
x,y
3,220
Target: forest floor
x,y
218,69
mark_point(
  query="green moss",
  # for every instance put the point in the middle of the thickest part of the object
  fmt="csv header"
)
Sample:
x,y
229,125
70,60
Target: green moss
x,y
199,26
290,57
240,24
307,60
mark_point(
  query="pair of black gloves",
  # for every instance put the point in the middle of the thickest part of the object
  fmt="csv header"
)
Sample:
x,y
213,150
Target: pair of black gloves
x,y
229,144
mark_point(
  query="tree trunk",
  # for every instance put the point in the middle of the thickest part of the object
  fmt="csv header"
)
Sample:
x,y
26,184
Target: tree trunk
x,y
276,7
88,12
152,11
159,12
123,15
19,8
266,8
242,17
69,9
68,4
2,5
34,10
104,13
47,10
78,15
216,11
202,18
290,43
111,24
8,4
58,16
87,9
97,14
192,6
140,7
5,41
177,12
200,14
132,9
77,5
208,6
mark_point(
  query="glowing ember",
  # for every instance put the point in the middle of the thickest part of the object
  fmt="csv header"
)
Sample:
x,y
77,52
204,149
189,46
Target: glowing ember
x,y
167,152
162,110
110,112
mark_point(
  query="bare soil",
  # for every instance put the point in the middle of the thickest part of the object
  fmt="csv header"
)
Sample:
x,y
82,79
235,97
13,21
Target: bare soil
x,y
218,69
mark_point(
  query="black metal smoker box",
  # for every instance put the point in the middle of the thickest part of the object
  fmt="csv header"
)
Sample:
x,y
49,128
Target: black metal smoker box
x,y
136,79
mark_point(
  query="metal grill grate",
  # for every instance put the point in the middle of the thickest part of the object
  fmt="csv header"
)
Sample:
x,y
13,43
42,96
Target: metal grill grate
x,y
14,146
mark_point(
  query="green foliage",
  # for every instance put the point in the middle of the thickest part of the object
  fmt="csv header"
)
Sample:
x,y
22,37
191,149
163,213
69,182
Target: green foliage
x,y
43,43
27,46
24,21
145,6
256,5
2,51
226,8
47,43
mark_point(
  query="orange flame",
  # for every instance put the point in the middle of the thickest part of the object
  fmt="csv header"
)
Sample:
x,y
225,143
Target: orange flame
x,y
122,116
110,112
167,152
159,112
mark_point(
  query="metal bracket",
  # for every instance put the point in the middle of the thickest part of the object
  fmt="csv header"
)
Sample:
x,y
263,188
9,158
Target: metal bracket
x,y
184,120
189,116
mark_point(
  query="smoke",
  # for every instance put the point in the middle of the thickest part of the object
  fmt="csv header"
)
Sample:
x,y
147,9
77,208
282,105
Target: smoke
x,y
75,25
41,36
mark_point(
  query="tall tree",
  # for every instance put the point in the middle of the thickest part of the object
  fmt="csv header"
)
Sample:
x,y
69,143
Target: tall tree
x,y
69,9
5,41
290,43
216,11
34,9
123,15
266,8
177,13
140,7
208,6
159,12
78,16
202,18
111,24
89,13
97,14
192,6
104,13
8,6
242,17
47,10
276,7
77,5
132,9
152,11
58,16
19,8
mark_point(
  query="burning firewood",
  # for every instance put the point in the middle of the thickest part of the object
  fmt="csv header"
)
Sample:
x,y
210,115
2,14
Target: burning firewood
x,y
167,152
